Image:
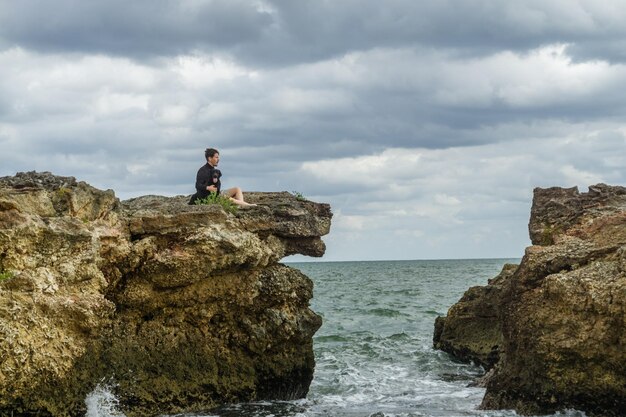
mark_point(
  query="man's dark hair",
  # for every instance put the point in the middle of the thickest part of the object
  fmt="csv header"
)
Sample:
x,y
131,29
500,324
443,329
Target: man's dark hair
x,y
209,152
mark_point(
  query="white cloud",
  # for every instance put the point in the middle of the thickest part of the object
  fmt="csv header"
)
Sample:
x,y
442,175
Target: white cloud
x,y
348,222
201,71
297,100
447,200
106,103
45,86
542,77
410,234
479,195
577,176
369,170
173,114
426,126
218,111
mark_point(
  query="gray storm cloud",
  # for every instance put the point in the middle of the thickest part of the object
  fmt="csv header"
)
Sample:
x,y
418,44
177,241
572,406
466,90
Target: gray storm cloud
x,y
283,32
428,122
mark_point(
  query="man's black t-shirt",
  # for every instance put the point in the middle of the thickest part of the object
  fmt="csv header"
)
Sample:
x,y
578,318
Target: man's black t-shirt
x,y
207,175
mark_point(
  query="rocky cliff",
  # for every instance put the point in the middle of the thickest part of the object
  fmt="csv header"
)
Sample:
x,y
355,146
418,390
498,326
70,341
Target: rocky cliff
x,y
176,307
557,321
472,330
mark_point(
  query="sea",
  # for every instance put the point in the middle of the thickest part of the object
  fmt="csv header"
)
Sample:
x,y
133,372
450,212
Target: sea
x,y
374,351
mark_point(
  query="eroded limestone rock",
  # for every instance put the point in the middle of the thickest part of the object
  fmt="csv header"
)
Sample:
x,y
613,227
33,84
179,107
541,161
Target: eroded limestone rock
x,y
178,307
472,330
562,311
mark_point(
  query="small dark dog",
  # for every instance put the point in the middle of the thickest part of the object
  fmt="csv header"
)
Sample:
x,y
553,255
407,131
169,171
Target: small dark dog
x,y
215,179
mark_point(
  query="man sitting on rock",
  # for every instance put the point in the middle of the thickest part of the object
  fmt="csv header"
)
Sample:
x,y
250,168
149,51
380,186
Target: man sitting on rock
x,y
208,181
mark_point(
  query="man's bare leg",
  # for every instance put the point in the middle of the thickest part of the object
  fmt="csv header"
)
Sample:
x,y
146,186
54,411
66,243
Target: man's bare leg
x,y
236,196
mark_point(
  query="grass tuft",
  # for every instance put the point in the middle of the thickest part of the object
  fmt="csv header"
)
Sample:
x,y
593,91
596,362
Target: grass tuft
x,y
300,196
5,275
215,198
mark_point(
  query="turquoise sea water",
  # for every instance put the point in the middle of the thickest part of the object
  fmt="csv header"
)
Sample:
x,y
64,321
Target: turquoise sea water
x,y
374,351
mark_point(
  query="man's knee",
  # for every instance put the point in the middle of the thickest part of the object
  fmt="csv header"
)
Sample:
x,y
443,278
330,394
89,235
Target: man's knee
x,y
232,192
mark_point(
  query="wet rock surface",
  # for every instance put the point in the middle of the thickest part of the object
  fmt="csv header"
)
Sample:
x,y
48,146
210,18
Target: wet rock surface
x,y
561,313
472,330
177,307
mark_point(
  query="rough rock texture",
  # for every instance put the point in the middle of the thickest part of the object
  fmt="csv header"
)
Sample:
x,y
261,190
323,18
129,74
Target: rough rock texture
x,y
472,330
562,311
177,307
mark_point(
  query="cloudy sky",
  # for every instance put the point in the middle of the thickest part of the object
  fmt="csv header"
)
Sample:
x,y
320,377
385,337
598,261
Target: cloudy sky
x,y
425,124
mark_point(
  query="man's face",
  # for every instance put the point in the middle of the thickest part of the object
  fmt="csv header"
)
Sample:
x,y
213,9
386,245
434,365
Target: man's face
x,y
214,160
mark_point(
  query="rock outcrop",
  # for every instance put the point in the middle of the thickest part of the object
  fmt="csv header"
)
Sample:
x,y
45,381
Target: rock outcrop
x,y
176,307
560,316
472,330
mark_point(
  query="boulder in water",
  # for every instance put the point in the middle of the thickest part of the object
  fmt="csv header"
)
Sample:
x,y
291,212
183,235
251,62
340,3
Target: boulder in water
x,y
561,312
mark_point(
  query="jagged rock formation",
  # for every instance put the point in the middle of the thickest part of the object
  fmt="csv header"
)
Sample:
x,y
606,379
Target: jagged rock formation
x,y
177,307
472,330
561,312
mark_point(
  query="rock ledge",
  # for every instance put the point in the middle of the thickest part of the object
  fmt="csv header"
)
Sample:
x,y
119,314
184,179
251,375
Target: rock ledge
x,y
178,308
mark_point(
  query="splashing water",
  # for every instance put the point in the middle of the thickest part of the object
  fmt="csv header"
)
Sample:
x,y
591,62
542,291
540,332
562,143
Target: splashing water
x,y
102,403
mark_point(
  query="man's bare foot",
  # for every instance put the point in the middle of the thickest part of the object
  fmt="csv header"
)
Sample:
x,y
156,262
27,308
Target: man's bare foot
x,y
241,203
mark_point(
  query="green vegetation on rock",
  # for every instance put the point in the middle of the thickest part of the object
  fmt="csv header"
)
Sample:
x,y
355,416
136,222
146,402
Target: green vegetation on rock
x,y
300,196
224,202
5,275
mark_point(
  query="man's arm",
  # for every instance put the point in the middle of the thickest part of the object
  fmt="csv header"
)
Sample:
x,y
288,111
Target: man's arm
x,y
203,181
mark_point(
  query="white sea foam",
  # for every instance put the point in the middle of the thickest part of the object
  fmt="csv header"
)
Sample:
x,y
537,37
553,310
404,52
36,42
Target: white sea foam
x,y
369,362
102,403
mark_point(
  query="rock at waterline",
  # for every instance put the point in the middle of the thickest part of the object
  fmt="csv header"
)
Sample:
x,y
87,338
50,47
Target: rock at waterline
x,y
559,315
179,307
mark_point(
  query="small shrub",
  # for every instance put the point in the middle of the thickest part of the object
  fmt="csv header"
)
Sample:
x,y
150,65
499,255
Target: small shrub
x,y
63,192
5,275
299,196
548,234
215,198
